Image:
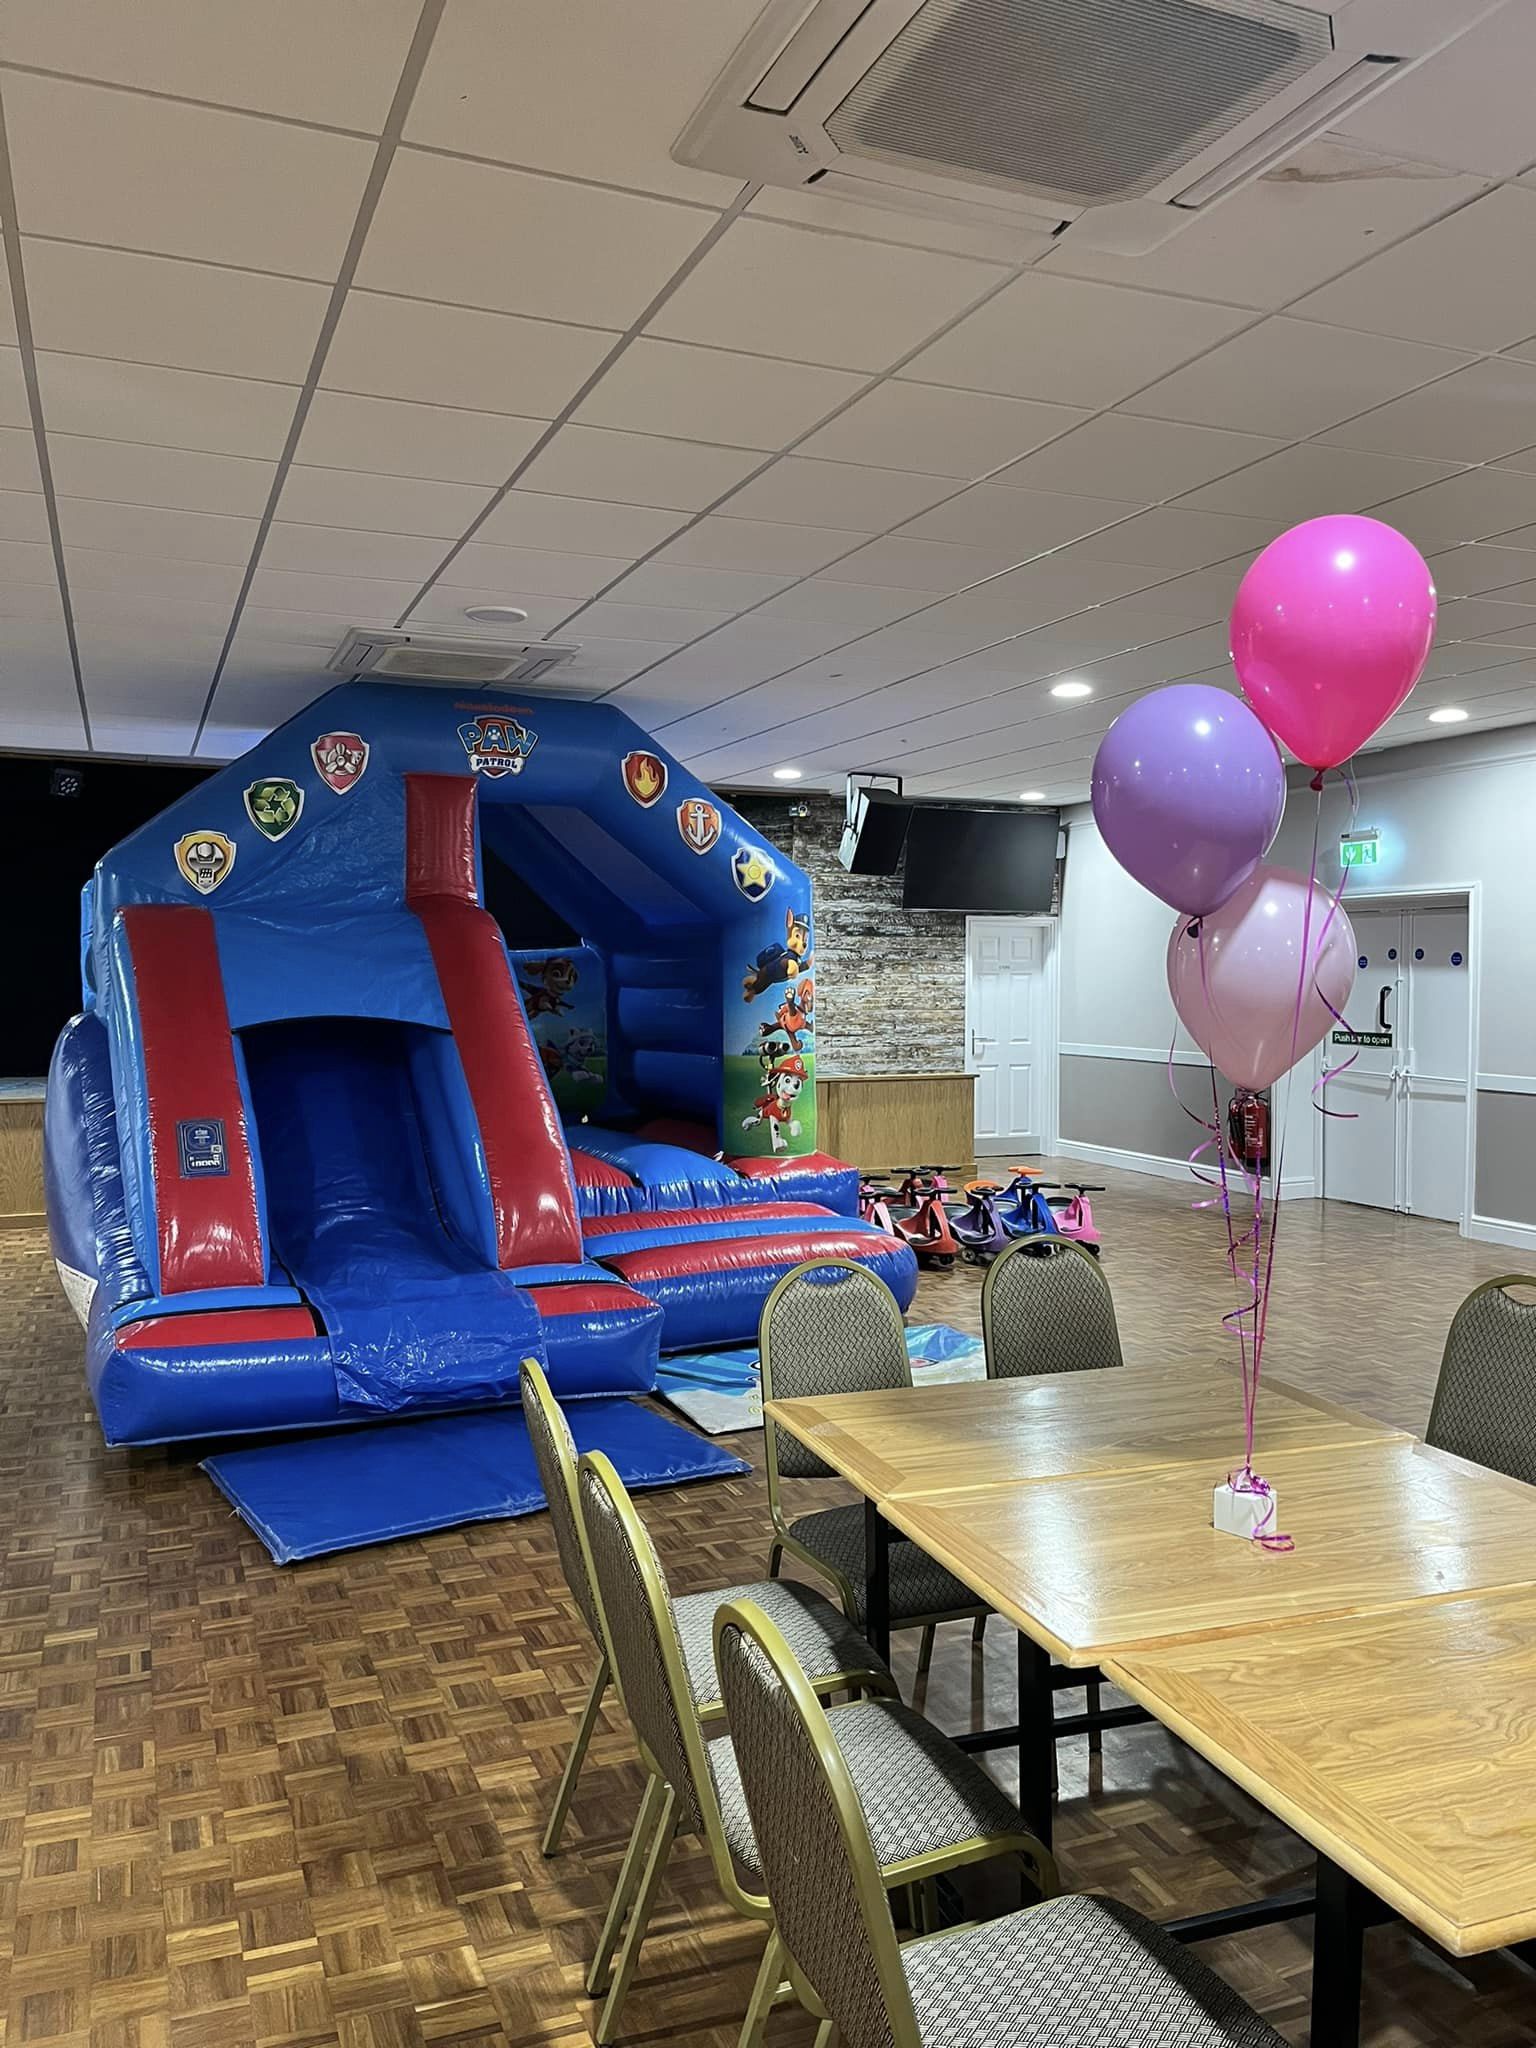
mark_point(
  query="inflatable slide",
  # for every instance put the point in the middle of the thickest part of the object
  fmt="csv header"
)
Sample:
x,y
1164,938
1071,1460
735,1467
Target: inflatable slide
x,y
306,1155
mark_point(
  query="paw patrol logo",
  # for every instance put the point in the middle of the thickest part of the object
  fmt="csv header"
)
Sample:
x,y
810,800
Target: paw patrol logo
x,y
752,873
341,759
204,859
645,778
497,746
699,823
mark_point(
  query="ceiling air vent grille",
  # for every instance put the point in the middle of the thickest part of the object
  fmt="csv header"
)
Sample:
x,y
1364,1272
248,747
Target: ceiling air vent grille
x,y
445,658
1089,100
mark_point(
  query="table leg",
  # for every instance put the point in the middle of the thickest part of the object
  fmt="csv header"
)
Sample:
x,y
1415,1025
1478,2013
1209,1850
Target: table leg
x,y
1344,1910
1037,1737
877,1579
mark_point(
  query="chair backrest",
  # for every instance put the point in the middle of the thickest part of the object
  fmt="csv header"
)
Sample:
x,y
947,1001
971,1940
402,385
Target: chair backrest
x,y
823,1880
1046,1307
554,1452
642,1636
829,1327
1485,1398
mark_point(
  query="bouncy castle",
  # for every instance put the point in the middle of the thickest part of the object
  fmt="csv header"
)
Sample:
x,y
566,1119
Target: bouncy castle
x,y
329,1141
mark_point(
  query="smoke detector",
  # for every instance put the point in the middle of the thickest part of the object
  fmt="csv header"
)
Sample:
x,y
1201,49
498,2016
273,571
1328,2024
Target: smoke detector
x,y
459,658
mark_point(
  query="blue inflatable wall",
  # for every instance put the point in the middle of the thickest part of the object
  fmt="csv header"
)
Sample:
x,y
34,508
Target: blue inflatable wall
x,y
305,1154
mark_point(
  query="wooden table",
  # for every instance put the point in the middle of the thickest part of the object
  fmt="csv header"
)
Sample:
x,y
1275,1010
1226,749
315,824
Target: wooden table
x,y
1333,1727
932,1440
1079,1507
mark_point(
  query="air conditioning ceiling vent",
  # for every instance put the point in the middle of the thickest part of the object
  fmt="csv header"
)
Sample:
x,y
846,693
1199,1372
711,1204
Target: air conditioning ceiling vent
x,y
444,658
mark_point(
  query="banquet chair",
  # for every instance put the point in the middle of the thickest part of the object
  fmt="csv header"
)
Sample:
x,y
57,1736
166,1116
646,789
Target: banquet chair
x,y
828,1645
1046,1307
832,1327
1071,1972
1485,1397
932,1807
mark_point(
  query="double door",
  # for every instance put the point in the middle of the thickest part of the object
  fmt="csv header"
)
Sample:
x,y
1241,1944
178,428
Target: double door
x,y
1398,1135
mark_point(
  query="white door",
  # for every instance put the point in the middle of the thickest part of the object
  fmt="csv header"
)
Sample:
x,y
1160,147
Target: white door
x,y
1433,1074
1361,1148
1401,1142
1005,1009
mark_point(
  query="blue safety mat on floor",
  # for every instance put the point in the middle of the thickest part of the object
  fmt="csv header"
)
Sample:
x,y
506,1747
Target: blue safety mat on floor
x,y
307,1495
718,1391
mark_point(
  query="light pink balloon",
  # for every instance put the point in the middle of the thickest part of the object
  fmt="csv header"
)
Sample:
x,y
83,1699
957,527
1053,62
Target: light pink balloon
x,y
1240,1006
1330,631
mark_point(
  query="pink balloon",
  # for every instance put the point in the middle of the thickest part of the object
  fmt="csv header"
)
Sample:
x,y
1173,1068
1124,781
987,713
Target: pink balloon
x,y
1240,1005
1330,631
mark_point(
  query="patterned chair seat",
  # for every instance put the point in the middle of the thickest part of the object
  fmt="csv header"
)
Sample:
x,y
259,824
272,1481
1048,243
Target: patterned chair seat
x,y
919,1587
919,1793
1076,1972
823,1640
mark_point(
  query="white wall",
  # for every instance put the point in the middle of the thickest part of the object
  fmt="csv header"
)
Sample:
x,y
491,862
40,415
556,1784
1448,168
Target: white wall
x,y
1452,814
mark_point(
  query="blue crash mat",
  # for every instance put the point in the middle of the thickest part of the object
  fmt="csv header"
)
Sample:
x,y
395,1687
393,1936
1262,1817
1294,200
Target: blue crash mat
x,y
307,1495
719,1392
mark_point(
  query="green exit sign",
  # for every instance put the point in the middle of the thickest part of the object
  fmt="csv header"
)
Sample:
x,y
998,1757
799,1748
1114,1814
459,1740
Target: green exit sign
x,y
1358,850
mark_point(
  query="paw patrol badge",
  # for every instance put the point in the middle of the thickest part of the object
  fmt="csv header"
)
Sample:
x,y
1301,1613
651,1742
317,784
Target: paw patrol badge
x,y
699,823
645,778
273,805
341,760
204,859
752,873
497,746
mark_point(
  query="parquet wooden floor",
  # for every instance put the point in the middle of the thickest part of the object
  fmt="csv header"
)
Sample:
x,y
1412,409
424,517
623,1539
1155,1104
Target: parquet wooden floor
x,y
245,1807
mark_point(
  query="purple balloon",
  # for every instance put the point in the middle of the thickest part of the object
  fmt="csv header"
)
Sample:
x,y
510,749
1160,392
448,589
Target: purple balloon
x,y
1188,791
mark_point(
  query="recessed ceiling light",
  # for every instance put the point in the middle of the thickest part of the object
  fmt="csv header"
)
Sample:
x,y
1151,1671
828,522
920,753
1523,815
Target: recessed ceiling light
x,y
1031,796
1071,688
497,614
787,774
1449,714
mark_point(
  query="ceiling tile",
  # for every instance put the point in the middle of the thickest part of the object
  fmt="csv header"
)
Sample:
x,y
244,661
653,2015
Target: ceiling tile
x,y
675,624
1518,538
392,437
446,604
949,433
1119,456
1203,595
783,291
350,551
579,86
24,516
164,408
706,394
380,504
1469,570
370,601
20,600
1292,378
1325,208
94,165
726,590
1467,282
1031,521
776,548
1479,504
858,606
389,347
303,58
1469,106
1522,593
578,526
523,244
836,494
279,626
540,570
1080,344
1486,618
637,469
15,410
1483,411
126,473
1058,584
156,309
1308,480
18,460
155,531
920,565
811,207
27,561
135,614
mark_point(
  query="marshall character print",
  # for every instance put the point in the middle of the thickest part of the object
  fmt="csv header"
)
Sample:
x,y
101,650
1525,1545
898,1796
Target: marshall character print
x,y
776,1105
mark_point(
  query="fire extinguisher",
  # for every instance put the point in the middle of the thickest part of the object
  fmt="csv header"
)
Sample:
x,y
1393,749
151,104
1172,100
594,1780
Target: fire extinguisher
x,y
1248,1130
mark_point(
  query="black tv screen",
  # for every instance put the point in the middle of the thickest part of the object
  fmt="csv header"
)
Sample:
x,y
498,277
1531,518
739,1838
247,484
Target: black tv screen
x,y
1002,862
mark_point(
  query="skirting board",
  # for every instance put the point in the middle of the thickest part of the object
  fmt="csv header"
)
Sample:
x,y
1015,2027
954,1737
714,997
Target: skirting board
x,y
1296,1189
1496,1230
